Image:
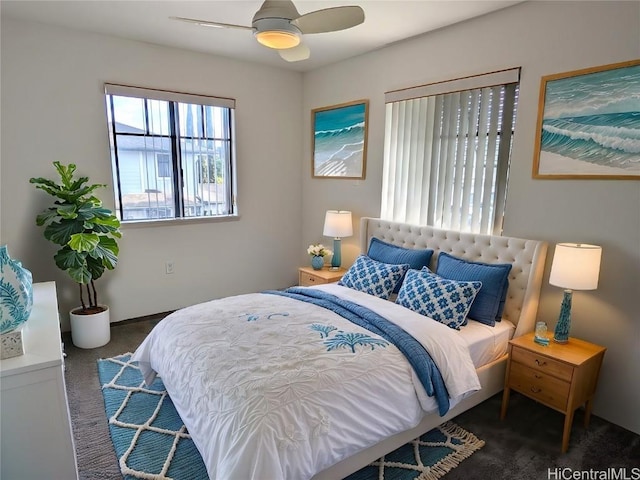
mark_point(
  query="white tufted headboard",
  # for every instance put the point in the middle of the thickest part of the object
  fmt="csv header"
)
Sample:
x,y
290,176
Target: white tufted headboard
x,y
526,256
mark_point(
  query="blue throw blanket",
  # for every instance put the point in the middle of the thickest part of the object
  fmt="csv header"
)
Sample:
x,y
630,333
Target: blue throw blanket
x,y
416,355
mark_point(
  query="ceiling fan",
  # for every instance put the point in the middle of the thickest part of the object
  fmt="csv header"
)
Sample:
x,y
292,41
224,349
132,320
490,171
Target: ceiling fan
x,y
278,25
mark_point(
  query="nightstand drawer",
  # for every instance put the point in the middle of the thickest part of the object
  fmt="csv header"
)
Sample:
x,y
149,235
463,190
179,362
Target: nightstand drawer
x,y
309,277
542,363
539,386
306,279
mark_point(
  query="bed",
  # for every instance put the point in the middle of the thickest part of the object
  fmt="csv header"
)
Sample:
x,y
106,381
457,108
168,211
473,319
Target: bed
x,y
317,382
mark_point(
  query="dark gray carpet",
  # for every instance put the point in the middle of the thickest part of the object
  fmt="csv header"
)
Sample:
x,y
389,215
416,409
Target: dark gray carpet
x,y
524,446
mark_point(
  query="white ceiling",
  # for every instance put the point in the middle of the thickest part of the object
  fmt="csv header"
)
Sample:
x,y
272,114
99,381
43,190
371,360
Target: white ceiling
x,y
386,22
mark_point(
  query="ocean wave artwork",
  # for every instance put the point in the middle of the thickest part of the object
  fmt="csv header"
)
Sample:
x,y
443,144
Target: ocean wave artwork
x,y
339,140
591,123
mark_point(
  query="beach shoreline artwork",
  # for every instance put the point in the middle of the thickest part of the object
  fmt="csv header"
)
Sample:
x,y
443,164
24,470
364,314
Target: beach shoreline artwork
x,y
589,124
339,140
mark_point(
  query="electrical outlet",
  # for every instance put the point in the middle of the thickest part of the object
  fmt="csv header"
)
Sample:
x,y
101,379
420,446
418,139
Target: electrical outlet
x,y
168,267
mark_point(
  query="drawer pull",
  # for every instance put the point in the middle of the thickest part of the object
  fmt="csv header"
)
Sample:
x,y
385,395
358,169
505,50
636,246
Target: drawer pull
x,y
540,364
536,390
537,376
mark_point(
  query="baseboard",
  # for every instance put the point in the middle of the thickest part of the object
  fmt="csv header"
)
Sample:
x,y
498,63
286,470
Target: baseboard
x,y
153,316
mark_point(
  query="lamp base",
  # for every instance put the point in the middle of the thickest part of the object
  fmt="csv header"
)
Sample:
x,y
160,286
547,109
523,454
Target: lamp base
x,y
561,333
336,260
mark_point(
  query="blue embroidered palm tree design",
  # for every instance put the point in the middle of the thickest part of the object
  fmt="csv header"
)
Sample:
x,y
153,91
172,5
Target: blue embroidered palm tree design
x,y
324,330
350,340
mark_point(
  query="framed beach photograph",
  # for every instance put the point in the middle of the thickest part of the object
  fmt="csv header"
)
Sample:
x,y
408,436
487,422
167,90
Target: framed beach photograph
x,y
339,140
589,124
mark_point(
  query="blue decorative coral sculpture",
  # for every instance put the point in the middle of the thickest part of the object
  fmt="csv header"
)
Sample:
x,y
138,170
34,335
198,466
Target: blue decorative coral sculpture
x,y
16,292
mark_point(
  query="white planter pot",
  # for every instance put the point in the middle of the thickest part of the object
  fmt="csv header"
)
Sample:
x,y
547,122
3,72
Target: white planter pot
x,y
90,331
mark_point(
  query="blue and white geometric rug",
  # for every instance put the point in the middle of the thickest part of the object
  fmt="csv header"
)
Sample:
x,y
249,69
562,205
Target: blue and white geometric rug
x,y
149,437
151,441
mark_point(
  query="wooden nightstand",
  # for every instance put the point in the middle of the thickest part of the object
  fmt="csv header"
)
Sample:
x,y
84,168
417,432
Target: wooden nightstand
x,y
307,276
560,376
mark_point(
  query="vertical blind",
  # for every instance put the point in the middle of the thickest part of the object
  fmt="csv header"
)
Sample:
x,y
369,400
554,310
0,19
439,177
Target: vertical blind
x,y
446,152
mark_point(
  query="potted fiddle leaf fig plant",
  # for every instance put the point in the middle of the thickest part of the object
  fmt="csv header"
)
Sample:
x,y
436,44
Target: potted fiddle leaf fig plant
x,y
86,233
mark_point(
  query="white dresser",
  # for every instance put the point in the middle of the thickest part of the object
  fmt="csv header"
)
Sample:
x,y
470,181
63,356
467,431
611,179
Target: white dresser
x,y
36,440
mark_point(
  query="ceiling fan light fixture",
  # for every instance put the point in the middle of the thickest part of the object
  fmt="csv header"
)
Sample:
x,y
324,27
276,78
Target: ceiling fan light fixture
x,y
278,40
278,34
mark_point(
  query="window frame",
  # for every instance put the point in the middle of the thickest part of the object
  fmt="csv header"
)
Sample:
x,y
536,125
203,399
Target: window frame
x,y
176,141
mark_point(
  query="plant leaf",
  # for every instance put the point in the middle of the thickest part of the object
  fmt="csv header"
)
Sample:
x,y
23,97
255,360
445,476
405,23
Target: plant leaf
x,y
67,211
66,259
110,222
84,242
108,251
95,268
47,216
80,275
60,232
65,172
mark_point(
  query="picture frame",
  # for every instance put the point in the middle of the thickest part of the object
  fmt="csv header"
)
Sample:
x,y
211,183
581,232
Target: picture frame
x,y
339,140
588,124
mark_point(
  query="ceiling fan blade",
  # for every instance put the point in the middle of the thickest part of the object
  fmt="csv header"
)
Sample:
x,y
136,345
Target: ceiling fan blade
x,y
207,23
295,54
330,19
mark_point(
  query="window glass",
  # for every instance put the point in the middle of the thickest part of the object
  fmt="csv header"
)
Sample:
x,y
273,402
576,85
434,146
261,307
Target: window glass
x,y
129,114
158,117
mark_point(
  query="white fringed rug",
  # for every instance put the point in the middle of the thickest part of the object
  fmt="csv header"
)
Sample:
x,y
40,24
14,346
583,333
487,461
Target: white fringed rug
x,y
426,458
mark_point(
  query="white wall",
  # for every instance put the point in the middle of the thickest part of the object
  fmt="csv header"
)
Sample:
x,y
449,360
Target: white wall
x,y
543,38
53,109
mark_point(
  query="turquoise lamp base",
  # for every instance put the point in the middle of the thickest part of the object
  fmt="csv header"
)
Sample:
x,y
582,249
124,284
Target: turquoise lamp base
x,y
336,260
561,333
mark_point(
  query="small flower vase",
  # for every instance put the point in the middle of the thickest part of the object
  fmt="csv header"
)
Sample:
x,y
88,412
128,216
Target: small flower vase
x,y
317,262
16,292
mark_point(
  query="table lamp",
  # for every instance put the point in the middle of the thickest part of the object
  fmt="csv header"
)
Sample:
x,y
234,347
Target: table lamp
x,y
576,266
337,224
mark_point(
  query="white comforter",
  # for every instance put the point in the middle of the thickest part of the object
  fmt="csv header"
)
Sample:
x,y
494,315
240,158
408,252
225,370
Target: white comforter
x,y
265,395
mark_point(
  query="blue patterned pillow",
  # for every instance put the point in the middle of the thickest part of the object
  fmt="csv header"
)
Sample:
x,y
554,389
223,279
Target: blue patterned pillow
x,y
447,301
388,253
372,277
489,304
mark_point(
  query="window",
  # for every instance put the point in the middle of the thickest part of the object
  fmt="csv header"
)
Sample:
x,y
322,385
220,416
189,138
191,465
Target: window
x,y
172,154
163,160
446,152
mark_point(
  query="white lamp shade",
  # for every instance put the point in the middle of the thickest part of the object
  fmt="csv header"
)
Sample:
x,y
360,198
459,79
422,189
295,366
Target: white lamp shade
x,y
338,224
576,266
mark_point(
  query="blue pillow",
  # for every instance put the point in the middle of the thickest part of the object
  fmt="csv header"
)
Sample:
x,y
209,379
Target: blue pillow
x,y
446,301
387,253
373,277
489,304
